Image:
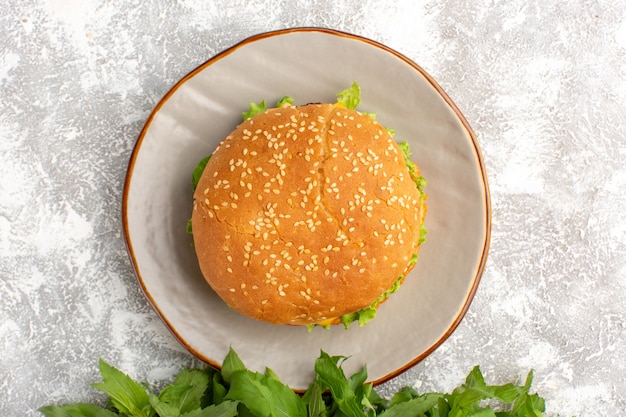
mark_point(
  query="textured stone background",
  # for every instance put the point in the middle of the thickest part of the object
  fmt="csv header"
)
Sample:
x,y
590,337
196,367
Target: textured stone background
x,y
543,84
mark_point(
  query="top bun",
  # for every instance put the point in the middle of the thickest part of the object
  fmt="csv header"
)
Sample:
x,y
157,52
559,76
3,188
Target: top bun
x,y
304,214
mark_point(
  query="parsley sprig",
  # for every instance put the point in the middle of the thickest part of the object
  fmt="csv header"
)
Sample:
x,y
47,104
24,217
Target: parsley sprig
x,y
237,391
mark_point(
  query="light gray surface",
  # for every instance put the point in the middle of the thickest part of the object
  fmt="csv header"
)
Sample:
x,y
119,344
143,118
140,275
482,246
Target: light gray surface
x,y
542,83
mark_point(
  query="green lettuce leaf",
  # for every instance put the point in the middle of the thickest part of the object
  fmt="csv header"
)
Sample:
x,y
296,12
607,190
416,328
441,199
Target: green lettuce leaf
x,y
195,179
198,170
423,233
254,110
420,181
350,97
284,101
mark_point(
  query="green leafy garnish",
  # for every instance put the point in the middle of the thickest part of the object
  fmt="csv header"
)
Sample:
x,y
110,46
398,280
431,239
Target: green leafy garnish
x,y
198,170
423,233
362,316
195,179
254,110
126,395
77,410
284,101
350,97
238,391
420,181
232,363
264,395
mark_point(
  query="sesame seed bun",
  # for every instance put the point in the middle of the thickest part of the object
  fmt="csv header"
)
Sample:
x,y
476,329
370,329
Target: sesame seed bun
x,y
304,214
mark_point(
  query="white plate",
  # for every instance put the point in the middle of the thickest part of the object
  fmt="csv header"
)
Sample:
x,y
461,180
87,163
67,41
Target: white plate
x,y
311,65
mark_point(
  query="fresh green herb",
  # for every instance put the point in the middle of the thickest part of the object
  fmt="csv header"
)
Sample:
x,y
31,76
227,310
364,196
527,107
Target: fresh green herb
x,y
184,396
264,395
126,395
232,363
77,410
350,97
254,110
237,391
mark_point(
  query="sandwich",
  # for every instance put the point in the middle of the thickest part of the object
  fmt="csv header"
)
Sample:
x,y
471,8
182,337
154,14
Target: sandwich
x,y
308,215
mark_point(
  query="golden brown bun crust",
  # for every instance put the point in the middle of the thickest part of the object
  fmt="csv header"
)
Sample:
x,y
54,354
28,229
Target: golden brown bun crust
x,y
304,214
